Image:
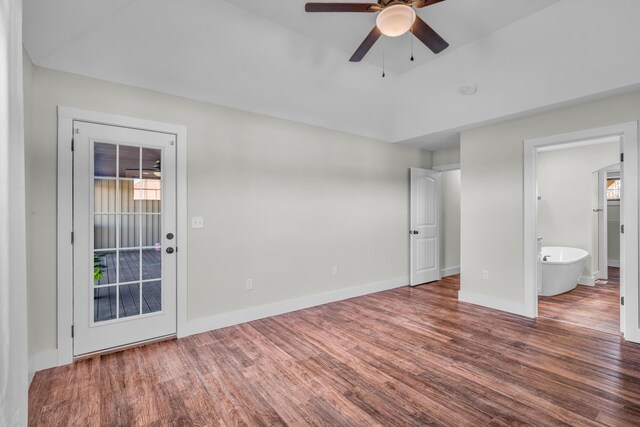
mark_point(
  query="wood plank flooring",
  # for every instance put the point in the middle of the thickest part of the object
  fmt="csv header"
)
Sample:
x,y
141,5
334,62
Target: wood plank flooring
x,y
595,307
409,356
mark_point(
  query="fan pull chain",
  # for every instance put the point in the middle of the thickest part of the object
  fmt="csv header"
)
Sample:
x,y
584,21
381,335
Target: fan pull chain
x,y
411,30
383,43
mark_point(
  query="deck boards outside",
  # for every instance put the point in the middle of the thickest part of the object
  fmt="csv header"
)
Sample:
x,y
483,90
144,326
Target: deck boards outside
x,y
105,298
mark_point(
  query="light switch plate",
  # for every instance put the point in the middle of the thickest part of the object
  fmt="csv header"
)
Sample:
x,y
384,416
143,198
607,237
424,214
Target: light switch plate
x,y
197,222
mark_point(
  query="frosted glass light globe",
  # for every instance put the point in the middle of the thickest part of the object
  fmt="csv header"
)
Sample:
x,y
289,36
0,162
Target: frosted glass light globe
x,y
395,20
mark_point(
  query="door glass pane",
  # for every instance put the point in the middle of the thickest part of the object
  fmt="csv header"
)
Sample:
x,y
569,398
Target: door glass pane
x,y
129,162
151,264
104,268
104,231
151,231
148,195
127,204
151,297
129,300
129,266
104,301
130,231
104,195
151,163
127,263
104,159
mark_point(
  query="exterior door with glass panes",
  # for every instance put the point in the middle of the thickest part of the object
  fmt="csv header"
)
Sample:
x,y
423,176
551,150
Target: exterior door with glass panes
x,y
124,226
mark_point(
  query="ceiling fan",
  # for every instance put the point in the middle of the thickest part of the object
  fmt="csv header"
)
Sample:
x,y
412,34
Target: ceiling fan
x,y
395,17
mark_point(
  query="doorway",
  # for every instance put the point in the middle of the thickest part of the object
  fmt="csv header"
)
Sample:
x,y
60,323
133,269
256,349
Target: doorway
x,y
549,229
124,202
122,199
574,285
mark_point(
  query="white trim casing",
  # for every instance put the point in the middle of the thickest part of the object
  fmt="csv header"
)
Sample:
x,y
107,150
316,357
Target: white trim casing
x,y
196,326
64,254
66,116
628,132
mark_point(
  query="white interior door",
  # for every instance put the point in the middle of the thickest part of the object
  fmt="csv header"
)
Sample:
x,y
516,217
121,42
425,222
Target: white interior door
x,y
124,232
425,226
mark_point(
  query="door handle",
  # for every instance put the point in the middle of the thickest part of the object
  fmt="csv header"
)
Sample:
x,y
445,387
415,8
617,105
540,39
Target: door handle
x,y
169,250
413,231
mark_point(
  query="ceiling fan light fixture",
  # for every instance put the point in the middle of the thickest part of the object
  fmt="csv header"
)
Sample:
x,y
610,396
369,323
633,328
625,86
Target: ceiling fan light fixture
x,y
395,20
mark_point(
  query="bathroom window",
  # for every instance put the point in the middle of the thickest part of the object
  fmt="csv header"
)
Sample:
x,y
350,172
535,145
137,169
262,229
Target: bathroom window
x,y
613,189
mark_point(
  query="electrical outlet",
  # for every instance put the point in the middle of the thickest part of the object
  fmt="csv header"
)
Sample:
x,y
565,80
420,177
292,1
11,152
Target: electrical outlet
x,y
249,284
197,222
485,274
334,271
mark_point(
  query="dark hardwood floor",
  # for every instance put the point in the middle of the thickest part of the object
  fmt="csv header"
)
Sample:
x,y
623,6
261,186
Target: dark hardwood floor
x,y
595,307
409,356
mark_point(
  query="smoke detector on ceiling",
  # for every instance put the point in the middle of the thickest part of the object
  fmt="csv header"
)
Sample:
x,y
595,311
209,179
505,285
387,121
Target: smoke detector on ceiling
x,y
468,89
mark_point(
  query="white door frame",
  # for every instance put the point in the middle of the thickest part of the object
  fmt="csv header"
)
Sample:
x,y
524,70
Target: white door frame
x,y
66,116
603,256
603,219
629,136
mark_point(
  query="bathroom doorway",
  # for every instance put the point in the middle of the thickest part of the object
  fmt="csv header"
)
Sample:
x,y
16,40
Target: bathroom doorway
x,y
573,286
577,188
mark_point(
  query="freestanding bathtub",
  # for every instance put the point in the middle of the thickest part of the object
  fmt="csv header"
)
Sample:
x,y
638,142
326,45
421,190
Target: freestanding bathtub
x,y
561,268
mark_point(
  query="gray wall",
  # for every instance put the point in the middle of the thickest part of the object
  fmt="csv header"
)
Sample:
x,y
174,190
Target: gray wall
x,y
450,244
282,202
567,186
493,221
446,156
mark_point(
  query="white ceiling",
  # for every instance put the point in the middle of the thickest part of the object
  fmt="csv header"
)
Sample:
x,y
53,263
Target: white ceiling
x,y
272,58
457,21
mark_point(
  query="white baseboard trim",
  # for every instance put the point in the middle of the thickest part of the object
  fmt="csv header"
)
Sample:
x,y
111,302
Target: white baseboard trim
x,y
205,324
43,360
495,303
587,280
614,263
450,271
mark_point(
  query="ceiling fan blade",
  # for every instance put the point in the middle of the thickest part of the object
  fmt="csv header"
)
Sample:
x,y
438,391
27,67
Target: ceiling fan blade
x,y
341,7
428,36
366,45
425,3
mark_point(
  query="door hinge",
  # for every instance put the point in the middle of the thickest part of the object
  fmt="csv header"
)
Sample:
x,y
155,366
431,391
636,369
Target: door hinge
x,y
622,229
622,157
72,144
621,300
72,331
72,237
